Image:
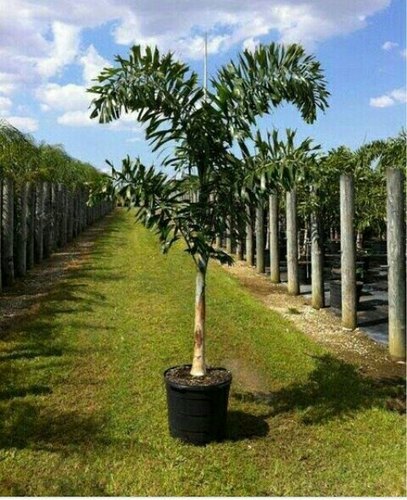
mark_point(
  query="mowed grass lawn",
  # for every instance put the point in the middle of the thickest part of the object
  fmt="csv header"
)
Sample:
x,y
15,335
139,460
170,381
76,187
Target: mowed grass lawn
x,y
82,400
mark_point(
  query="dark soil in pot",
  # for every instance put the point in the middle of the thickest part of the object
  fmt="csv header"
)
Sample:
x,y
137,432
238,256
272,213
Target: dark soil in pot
x,y
197,406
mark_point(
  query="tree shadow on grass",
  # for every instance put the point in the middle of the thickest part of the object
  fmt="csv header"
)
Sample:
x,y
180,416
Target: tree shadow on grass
x,y
242,425
334,389
33,358
24,424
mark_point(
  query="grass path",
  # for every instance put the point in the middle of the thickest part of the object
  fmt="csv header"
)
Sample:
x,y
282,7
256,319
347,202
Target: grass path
x,y
82,402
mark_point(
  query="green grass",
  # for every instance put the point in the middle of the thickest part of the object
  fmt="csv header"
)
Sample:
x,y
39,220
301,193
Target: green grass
x,y
82,401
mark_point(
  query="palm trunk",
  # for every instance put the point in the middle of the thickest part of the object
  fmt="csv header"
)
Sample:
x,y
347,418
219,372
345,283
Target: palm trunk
x,y
239,249
229,230
64,221
1,218
21,230
348,251
70,215
7,256
260,243
53,218
76,213
249,237
260,262
31,225
317,262
47,245
198,364
292,243
274,245
39,222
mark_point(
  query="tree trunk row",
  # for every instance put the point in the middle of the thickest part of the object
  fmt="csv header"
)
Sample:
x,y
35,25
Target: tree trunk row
x,y
36,219
254,252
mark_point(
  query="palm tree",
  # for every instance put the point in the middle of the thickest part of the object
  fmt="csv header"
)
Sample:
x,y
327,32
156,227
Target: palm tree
x,y
201,126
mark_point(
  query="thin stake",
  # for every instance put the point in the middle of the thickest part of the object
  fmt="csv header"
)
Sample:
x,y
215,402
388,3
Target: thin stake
x,y
205,85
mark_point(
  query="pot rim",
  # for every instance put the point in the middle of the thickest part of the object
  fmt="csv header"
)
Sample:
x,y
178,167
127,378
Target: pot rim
x,y
178,385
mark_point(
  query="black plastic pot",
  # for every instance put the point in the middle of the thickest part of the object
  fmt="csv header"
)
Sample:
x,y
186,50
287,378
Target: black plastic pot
x,y
335,288
197,414
304,272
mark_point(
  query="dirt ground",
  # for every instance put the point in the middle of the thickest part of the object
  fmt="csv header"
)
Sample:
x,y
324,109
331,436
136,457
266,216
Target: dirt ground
x,y
22,300
323,326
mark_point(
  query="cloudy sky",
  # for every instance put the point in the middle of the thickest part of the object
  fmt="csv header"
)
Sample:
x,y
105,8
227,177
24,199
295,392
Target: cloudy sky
x,y
50,50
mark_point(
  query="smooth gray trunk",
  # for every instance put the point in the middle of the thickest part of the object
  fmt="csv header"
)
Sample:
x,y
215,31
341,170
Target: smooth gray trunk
x,y
74,214
260,244
21,233
82,209
274,244
249,238
47,219
239,249
64,221
396,260
293,284
1,218
70,215
348,251
39,222
7,232
31,225
53,218
317,263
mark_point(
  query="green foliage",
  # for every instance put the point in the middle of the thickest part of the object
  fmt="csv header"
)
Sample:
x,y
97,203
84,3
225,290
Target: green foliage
x,y
18,153
23,160
201,127
368,166
264,79
163,204
284,163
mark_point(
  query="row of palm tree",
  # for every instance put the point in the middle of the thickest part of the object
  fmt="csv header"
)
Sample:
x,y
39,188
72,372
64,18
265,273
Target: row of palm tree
x,y
43,200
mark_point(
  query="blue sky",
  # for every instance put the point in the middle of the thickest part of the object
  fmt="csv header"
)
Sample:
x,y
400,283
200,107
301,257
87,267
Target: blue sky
x,y
51,49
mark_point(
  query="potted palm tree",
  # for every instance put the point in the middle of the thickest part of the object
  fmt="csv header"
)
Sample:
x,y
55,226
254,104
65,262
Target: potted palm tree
x,y
199,128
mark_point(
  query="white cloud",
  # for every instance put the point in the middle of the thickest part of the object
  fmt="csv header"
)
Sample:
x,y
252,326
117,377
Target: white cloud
x,y
383,101
403,53
23,123
396,96
63,50
76,119
39,40
250,44
389,45
399,95
48,32
80,118
5,106
68,97
10,81
92,63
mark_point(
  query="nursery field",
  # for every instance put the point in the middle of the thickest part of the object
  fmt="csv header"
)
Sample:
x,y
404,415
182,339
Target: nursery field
x,y
82,398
